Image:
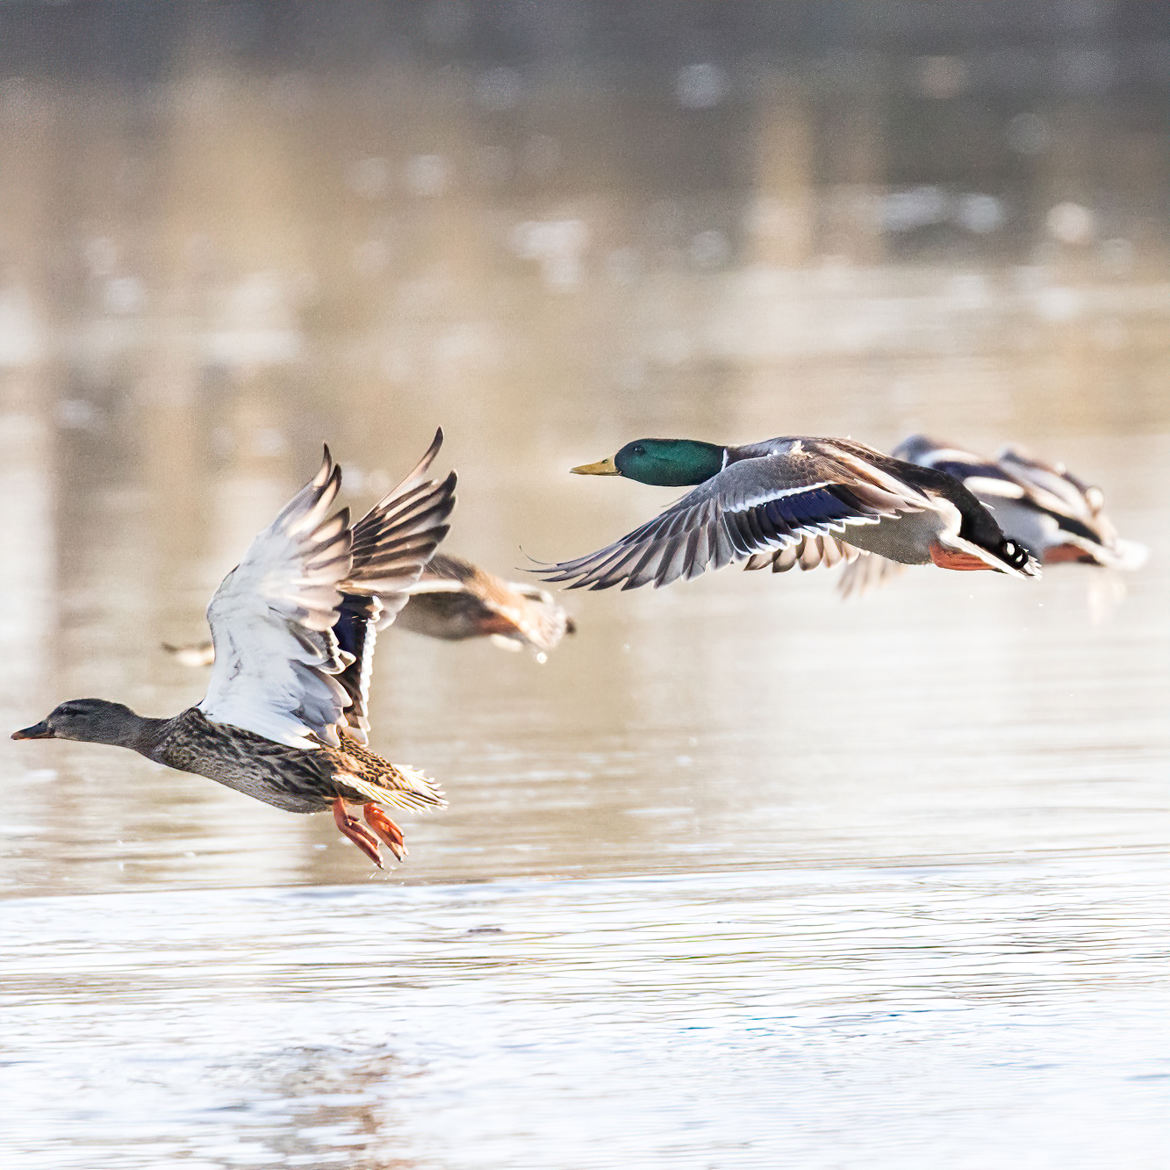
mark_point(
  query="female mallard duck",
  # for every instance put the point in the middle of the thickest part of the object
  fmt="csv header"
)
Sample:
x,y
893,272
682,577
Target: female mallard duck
x,y
1042,506
294,624
454,600
757,500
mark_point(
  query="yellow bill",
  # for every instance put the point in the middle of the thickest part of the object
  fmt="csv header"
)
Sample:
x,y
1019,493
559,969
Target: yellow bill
x,y
605,467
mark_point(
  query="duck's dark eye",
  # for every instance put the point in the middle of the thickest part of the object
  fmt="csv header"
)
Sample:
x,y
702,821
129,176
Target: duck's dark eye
x,y
639,449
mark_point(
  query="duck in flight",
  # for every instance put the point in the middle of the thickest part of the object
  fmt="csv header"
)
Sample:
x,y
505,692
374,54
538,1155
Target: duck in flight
x,y
293,625
775,497
1059,518
455,600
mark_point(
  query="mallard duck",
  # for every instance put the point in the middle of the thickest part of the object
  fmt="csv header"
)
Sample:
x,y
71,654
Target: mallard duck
x,y
454,600
1040,505
756,500
284,718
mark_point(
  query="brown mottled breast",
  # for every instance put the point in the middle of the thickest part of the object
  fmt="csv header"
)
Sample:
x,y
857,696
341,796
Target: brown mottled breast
x,y
291,778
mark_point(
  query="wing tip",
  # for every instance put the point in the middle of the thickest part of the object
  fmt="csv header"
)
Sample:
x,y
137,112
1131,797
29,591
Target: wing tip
x,y
428,455
327,468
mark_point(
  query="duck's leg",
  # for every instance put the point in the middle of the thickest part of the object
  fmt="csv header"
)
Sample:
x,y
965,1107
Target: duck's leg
x,y
356,832
386,829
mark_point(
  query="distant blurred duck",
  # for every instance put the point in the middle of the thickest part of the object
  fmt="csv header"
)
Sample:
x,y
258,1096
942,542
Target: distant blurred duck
x,y
455,600
825,498
1042,506
294,624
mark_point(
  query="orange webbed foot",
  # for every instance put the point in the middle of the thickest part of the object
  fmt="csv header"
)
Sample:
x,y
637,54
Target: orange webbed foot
x,y
386,829
357,832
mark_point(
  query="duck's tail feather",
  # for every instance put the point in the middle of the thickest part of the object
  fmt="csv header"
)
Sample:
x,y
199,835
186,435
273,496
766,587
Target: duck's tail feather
x,y
401,786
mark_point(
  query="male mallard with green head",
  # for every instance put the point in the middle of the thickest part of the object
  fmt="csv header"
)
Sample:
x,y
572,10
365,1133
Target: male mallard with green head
x,y
294,624
756,501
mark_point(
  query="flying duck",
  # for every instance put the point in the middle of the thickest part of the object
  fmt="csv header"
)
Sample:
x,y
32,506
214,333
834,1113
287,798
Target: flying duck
x,y
293,625
825,498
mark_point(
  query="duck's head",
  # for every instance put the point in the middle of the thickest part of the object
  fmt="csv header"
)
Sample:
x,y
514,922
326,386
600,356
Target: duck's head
x,y
662,462
91,720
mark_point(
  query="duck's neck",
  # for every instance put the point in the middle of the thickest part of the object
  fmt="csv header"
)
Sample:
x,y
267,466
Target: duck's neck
x,y
144,735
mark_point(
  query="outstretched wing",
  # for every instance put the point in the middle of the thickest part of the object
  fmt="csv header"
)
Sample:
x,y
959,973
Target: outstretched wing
x,y
809,552
392,544
271,622
294,623
757,504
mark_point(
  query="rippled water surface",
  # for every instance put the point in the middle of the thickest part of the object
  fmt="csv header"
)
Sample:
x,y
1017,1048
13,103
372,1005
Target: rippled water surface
x,y
986,1014
744,875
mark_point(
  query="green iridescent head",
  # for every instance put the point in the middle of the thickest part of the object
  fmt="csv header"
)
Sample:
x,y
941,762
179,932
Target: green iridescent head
x,y
662,462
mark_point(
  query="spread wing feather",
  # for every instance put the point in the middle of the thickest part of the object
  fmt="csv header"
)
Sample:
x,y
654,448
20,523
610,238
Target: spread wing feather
x,y
392,544
767,502
293,624
272,619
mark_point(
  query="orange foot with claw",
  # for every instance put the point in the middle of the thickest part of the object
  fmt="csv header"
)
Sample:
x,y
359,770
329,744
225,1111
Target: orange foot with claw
x,y
387,831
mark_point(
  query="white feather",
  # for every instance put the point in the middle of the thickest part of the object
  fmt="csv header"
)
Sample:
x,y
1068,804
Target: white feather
x,y
271,620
